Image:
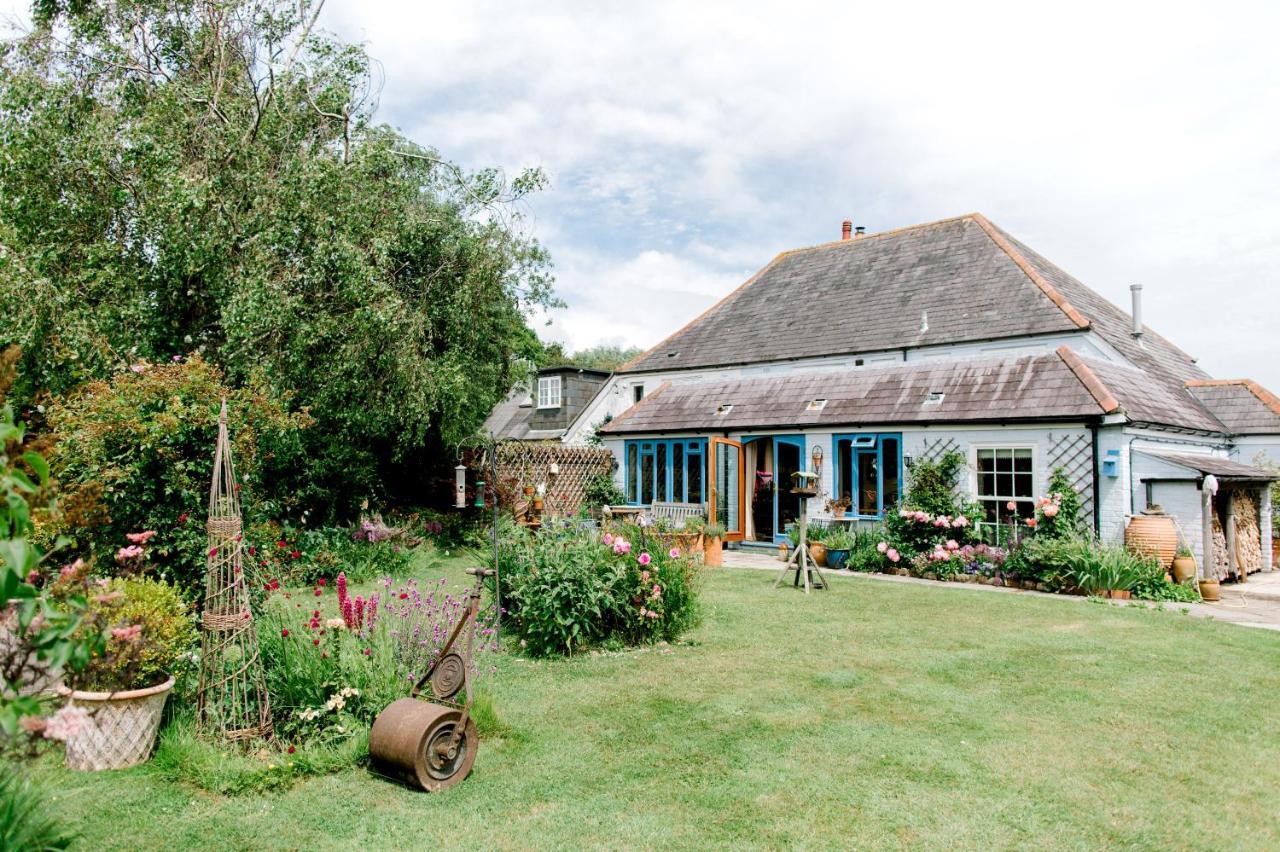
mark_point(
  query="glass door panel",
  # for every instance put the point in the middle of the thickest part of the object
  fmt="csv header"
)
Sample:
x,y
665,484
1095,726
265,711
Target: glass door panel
x,y
788,454
727,492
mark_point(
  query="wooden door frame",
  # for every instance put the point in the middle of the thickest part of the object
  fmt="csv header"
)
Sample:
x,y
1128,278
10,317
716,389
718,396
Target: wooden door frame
x,y
711,484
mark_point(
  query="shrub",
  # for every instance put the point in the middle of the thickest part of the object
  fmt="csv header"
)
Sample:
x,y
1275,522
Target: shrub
x,y
1096,567
933,483
146,438
600,490
1058,512
1047,559
570,586
282,555
150,634
25,821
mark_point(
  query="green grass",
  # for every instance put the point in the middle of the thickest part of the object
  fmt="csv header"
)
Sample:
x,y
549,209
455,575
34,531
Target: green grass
x,y
875,714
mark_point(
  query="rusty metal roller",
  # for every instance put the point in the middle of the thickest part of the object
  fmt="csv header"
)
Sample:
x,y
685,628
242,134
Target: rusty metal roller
x,y
411,740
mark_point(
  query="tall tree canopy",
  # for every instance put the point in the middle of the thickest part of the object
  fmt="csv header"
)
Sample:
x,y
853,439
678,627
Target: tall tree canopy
x,y
181,177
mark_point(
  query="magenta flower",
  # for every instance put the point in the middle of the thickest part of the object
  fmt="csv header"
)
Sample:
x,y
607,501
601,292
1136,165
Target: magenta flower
x,y
608,538
645,559
674,553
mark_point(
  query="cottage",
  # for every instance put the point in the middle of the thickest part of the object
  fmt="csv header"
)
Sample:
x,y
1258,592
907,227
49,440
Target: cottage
x,y
861,356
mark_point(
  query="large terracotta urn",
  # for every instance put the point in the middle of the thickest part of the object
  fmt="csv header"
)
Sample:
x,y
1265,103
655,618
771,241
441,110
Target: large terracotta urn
x,y
1153,533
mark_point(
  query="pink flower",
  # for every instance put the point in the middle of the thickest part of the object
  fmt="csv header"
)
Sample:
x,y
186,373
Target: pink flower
x,y
674,553
644,576
128,554
66,723
941,522
126,634
952,544
608,538
922,517
645,559
892,555
140,538
1031,522
342,587
1012,506
883,546
960,522
138,368
1051,510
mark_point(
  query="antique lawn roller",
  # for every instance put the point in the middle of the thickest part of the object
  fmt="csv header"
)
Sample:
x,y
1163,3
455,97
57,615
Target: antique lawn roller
x,y
433,744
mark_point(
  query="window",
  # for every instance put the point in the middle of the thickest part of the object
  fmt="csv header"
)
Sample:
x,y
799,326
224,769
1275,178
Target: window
x,y
549,392
637,393
869,472
669,471
1006,475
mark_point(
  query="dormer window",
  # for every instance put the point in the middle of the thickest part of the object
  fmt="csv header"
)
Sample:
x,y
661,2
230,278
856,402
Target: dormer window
x,y
548,392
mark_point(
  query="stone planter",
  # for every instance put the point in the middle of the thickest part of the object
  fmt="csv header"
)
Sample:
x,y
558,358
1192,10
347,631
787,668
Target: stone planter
x,y
1184,568
121,730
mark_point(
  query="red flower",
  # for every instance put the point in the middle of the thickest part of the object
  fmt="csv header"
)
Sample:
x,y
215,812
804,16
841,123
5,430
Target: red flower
x,y
251,550
295,554
182,519
284,632
315,641
315,613
404,595
237,487
322,581
366,652
280,544
319,592
213,551
292,749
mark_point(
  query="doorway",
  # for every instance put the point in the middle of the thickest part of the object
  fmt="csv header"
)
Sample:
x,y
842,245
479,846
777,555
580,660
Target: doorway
x,y
771,460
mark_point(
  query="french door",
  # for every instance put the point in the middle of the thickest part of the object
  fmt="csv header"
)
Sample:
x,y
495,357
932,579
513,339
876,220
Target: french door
x,y
727,502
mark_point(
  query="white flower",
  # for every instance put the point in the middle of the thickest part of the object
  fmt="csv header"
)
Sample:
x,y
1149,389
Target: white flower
x,y
335,623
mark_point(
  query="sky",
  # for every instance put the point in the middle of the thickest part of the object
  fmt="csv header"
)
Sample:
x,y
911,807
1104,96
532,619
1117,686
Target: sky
x,y
687,143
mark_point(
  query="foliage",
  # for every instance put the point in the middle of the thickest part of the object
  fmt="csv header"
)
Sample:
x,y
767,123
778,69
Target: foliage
x,y
863,553
1156,586
1058,512
1047,559
570,586
145,438
915,531
38,636
1095,567
132,658
25,821
284,555
600,490
604,356
1265,462
933,483
209,177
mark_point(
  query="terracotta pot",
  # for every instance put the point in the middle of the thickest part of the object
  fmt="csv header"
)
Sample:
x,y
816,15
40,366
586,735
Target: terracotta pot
x,y
537,504
837,513
1118,594
1153,533
1210,590
121,730
1184,568
712,552
784,551
818,551
528,490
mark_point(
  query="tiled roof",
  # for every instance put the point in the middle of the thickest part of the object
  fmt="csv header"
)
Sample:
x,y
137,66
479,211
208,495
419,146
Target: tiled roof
x,y
944,282
510,420
1030,387
1217,465
1243,405
1145,399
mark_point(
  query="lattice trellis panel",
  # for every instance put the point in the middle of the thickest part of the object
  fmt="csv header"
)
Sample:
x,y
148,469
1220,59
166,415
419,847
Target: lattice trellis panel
x,y
1074,454
931,451
524,464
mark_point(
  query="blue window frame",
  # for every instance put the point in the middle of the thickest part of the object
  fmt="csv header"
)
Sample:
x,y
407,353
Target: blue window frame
x,y
868,470
671,470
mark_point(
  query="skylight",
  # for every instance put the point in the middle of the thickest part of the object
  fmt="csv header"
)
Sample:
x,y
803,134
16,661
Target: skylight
x,y
816,405
934,398
724,409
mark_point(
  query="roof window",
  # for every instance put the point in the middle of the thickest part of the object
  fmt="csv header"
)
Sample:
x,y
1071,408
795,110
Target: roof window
x,y
724,409
816,405
935,398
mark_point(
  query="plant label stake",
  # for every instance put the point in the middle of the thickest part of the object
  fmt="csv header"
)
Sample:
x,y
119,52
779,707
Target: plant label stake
x,y
433,745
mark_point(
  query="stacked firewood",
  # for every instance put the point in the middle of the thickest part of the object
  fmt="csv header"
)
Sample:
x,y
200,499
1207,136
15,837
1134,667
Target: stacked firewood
x,y
1248,536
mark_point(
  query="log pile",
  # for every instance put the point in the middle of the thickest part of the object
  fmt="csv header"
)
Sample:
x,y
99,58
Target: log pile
x,y
1248,535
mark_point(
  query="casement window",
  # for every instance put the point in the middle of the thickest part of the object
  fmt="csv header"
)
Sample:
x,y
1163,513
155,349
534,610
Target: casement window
x,y
637,393
868,472
549,392
670,471
1005,475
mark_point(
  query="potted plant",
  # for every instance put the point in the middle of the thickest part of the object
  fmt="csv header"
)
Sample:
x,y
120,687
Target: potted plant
x,y
1210,589
838,506
815,536
148,632
1184,565
713,545
839,544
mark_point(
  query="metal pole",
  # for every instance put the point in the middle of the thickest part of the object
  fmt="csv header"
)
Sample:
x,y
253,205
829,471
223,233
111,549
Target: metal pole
x,y
497,577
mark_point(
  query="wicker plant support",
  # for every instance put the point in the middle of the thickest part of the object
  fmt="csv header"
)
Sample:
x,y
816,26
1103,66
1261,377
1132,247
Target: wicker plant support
x,y
232,702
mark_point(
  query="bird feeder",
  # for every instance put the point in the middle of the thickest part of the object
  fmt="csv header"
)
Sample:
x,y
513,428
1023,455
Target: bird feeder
x,y
479,501
460,486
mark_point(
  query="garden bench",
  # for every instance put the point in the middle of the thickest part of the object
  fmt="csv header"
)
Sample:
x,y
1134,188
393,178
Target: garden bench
x,y
677,513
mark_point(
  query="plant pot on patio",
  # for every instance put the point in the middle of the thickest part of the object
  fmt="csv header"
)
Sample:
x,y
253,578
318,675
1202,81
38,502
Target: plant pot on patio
x,y
818,551
1211,590
1183,568
122,726
836,558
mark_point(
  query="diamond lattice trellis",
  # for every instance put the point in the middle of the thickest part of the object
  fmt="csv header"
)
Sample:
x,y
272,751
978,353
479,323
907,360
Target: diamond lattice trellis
x,y
1074,454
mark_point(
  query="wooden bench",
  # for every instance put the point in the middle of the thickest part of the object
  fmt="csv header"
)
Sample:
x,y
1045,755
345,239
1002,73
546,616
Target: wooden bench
x,y
677,513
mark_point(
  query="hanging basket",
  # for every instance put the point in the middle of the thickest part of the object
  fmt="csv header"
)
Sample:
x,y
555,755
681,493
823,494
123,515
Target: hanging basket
x,y
121,730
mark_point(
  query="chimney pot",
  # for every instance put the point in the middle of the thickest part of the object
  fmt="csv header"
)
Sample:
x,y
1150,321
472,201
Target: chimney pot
x,y
1136,291
846,228
860,231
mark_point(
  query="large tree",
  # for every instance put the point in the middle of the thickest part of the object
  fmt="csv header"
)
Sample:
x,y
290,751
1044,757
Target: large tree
x,y
181,177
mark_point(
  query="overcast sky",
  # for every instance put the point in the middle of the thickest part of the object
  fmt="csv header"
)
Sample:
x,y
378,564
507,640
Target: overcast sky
x,y
689,142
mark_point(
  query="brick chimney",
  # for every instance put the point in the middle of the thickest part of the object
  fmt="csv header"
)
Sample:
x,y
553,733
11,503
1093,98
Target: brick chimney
x,y
846,229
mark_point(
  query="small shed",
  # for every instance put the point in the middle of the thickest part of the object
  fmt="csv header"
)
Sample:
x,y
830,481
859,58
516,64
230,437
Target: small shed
x,y
1223,507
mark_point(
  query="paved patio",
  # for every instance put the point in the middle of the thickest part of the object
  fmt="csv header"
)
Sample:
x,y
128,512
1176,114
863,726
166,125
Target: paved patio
x,y
1252,604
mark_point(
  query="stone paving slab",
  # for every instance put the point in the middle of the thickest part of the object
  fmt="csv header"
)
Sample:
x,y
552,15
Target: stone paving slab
x,y
1252,604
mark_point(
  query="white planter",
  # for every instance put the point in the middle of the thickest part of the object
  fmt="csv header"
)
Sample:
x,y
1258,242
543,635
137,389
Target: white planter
x,y
121,730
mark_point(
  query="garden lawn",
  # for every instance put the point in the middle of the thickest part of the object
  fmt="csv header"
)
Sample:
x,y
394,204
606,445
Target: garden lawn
x,y
873,714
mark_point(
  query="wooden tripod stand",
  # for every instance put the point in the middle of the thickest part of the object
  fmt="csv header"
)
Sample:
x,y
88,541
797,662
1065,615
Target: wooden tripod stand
x,y
800,561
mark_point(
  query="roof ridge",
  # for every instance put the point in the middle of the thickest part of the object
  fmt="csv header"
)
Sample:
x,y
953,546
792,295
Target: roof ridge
x,y
1084,373
1019,260
865,238
1266,397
